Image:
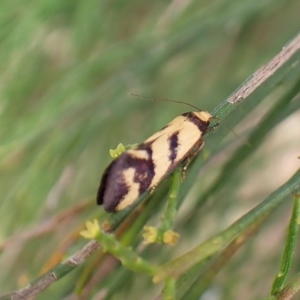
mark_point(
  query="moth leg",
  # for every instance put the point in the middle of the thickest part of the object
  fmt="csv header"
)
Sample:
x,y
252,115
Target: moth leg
x,y
197,148
212,128
151,191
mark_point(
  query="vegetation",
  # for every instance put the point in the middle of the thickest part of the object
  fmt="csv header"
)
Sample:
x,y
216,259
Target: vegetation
x,y
67,68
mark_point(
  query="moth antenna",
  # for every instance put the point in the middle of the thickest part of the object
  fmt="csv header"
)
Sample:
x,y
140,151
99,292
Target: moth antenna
x,y
188,104
234,133
166,100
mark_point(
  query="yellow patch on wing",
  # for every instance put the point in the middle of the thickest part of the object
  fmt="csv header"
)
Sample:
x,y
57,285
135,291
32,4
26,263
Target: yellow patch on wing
x,y
169,129
160,152
203,115
133,192
188,135
138,154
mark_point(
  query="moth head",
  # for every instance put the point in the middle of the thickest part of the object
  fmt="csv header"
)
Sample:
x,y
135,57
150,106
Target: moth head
x,y
203,116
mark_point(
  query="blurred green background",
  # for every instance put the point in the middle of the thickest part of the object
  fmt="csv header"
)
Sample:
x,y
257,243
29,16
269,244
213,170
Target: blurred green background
x,y
67,67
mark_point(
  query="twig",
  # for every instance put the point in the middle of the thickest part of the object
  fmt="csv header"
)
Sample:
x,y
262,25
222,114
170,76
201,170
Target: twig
x,y
266,71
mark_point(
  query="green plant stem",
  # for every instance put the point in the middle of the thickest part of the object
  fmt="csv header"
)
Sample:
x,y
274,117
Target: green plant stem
x,y
207,273
289,291
255,139
292,236
125,254
169,289
170,212
178,266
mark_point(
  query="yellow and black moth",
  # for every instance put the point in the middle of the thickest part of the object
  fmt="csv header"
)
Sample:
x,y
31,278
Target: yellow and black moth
x,y
141,169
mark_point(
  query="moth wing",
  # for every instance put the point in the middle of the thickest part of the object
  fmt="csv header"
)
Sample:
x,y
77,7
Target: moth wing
x,y
125,179
142,168
172,145
168,129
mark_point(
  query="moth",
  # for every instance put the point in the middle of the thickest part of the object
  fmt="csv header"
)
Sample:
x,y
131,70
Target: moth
x,y
142,168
